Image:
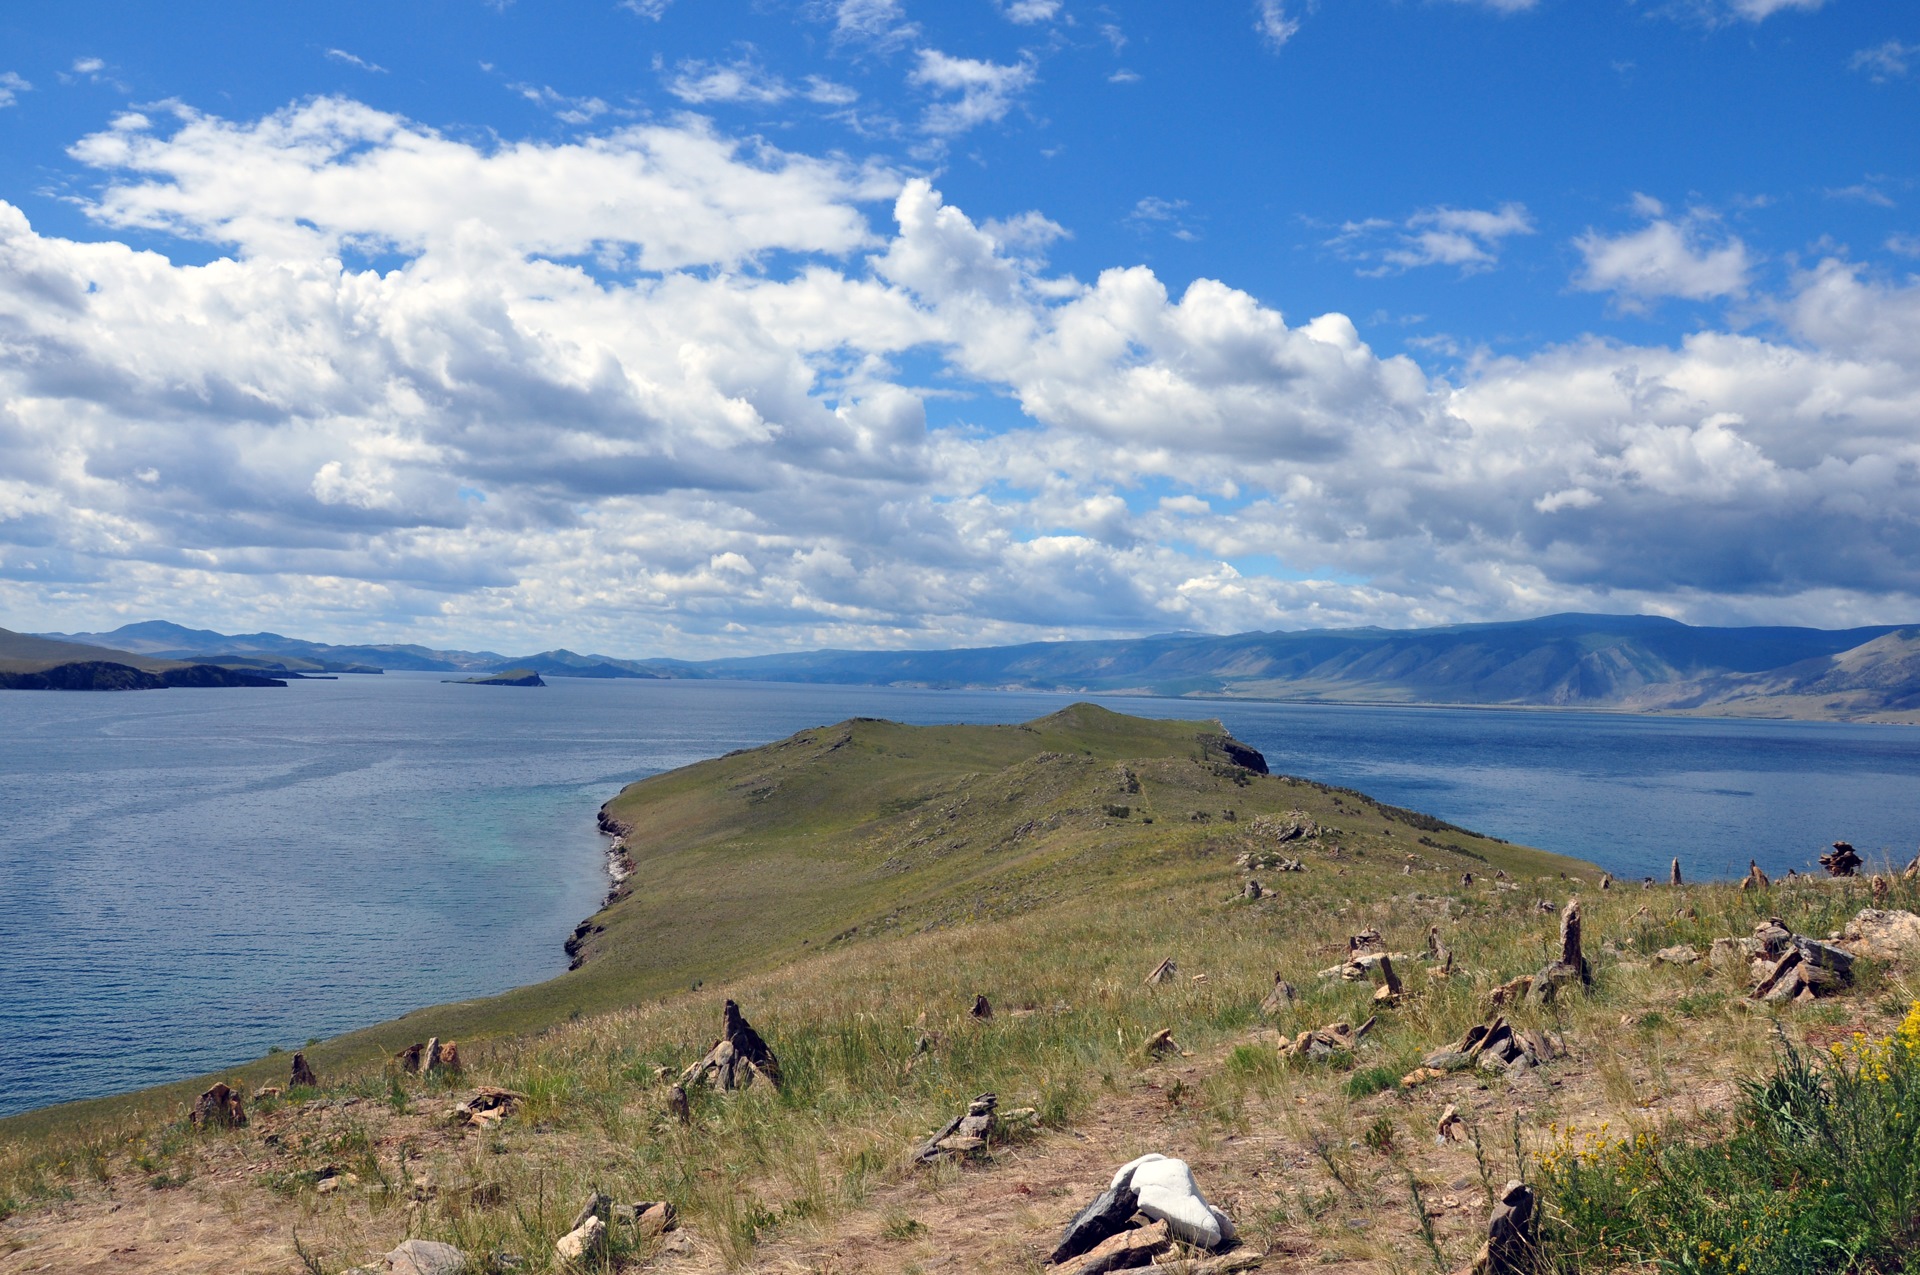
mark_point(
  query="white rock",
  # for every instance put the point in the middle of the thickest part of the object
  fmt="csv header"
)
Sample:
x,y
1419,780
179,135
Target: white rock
x,y
1169,1194
426,1257
1883,934
582,1240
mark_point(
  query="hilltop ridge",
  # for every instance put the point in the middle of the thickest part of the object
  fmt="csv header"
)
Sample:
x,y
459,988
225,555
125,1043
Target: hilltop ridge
x,y
1633,663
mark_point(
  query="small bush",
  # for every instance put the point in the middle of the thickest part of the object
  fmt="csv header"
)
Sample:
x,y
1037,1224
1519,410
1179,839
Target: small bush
x,y
1371,1080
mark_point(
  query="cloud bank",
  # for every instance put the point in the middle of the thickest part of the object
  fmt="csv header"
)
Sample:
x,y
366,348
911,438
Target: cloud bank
x,y
692,414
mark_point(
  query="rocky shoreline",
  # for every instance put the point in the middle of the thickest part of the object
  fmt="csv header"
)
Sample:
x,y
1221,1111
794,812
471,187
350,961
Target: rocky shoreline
x,y
620,869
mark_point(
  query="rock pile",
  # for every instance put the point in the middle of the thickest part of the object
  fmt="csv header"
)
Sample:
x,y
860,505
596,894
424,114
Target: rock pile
x,y
486,1107
737,1059
1151,1202
1495,1046
1334,1038
1295,825
1842,861
434,1055
964,1135
218,1108
1789,966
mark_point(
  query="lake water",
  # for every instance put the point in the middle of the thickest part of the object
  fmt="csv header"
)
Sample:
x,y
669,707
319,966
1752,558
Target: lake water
x,y
191,876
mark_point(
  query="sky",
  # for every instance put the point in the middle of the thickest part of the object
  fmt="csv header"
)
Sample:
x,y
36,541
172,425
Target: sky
x,y
703,327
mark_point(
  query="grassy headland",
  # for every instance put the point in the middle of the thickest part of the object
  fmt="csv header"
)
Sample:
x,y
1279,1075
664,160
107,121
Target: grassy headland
x,y
854,887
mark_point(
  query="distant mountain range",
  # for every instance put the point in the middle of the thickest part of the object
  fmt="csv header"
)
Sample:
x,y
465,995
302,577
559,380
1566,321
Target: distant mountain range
x,y
1645,663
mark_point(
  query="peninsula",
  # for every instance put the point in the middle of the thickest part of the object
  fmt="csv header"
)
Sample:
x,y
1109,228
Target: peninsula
x,y
1365,1030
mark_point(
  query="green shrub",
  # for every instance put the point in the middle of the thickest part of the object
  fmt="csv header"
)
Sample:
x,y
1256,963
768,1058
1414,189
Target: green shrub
x,y
1818,1171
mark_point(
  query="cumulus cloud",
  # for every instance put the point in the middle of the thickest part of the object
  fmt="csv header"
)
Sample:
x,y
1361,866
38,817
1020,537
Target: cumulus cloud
x,y
497,431
1469,238
1685,257
12,85
974,92
877,22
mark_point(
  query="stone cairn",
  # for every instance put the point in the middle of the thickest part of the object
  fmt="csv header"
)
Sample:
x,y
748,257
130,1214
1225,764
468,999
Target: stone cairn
x,y
218,1108
1842,861
303,1076
737,1059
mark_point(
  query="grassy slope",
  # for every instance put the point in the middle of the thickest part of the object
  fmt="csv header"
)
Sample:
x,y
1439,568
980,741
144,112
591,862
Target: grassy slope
x,y
856,881
865,828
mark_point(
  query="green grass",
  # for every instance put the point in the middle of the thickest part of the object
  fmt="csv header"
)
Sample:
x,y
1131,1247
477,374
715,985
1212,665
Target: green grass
x,y
1816,1171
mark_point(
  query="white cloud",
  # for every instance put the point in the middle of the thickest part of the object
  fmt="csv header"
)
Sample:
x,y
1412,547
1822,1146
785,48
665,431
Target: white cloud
x,y
743,80
1502,6
878,22
1904,245
569,110
979,92
1166,214
652,9
671,458
1889,60
1469,238
341,55
12,85
1030,11
1270,20
1866,192
88,66
1686,258
1760,10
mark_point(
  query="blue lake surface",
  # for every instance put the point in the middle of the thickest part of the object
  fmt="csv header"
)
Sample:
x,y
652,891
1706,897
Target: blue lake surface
x,y
188,877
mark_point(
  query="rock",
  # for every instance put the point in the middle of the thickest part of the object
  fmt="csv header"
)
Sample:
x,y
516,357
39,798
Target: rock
x,y
1334,1038
1126,1250
303,1076
654,1217
965,1134
1510,1248
597,1205
1842,861
1606,880
1167,1193
426,1257
1162,1044
1755,877
1388,992
1367,940
486,1107
218,1108
1282,995
1773,936
1100,1220
1450,1127
1163,972
1674,876
1879,887
1731,954
1253,890
583,1242
738,1059
1883,935
1678,954
1510,992
447,1057
677,1103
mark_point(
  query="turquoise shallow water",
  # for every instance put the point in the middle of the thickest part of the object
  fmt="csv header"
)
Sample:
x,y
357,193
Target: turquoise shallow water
x,y
190,877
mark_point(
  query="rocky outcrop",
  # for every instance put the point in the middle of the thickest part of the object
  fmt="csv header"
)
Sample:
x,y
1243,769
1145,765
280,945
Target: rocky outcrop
x,y
218,1108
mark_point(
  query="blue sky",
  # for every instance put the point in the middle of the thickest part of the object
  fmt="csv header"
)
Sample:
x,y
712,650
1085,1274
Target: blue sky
x,y
696,325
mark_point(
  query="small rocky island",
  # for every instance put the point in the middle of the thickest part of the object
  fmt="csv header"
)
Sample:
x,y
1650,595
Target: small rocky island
x,y
507,677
